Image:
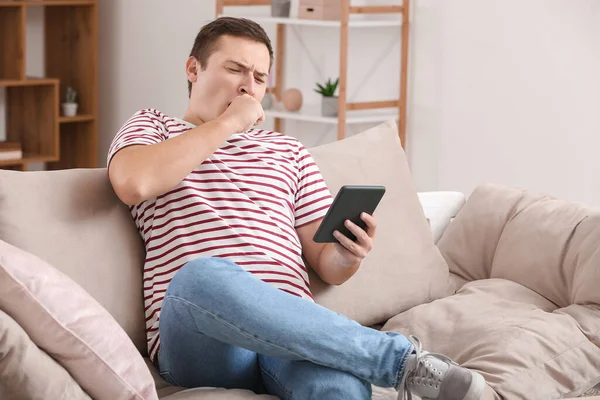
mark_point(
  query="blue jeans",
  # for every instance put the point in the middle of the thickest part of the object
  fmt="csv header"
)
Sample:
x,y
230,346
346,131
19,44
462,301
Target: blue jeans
x,y
222,327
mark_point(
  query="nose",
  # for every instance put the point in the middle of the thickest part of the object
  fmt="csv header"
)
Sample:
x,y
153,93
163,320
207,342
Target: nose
x,y
247,86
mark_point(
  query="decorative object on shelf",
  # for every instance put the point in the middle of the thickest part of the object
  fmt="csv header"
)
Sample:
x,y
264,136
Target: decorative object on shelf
x,y
10,151
280,8
320,9
292,99
70,105
268,99
329,101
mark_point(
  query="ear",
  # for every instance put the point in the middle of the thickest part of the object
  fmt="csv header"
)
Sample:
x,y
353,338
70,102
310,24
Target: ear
x,y
191,69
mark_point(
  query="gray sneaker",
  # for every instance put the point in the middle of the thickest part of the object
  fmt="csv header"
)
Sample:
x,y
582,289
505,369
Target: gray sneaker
x,y
436,377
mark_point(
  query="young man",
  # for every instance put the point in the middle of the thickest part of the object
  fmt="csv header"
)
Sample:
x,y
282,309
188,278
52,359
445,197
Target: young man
x,y
227,214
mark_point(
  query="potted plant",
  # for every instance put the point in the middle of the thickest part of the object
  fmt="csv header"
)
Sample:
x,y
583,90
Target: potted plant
x,y
70,105
329,101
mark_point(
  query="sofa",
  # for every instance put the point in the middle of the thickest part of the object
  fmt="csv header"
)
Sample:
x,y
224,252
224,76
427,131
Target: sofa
x,y
505,282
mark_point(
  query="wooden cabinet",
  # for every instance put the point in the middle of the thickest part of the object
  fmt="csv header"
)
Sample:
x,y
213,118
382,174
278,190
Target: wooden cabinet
x,y
33,112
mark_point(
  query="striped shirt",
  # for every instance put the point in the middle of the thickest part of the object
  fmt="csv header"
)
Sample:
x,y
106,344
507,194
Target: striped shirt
x,y
243,203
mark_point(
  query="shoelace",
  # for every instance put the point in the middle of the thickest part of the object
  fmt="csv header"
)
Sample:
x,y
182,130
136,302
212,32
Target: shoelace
x,y
422,371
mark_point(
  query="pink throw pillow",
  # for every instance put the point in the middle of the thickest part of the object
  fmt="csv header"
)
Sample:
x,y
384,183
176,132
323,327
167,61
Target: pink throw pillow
x,y
72,327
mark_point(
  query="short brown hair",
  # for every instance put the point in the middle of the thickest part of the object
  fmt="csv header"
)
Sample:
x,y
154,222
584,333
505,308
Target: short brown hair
x,y
207,38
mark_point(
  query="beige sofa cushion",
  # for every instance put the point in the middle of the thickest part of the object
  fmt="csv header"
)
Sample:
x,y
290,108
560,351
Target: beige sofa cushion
x,y
546,244
522,345
68,324
73,220
28,373
405,268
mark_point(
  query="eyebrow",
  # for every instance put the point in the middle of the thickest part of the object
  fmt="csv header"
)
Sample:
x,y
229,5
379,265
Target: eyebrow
x,y
244,66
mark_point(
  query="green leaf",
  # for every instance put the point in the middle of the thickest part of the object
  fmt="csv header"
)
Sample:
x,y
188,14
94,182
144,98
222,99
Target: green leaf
x,y
329,88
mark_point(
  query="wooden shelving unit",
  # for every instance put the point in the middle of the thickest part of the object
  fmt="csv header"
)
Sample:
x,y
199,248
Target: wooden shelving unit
x,y
348,113
33,115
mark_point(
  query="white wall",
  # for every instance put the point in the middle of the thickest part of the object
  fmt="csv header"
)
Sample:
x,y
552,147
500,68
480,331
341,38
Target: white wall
x,y
143,48
508,92
502,91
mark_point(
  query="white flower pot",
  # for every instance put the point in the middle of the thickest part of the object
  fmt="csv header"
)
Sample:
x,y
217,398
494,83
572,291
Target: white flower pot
x,y
69,109
280,8
267,101
329,106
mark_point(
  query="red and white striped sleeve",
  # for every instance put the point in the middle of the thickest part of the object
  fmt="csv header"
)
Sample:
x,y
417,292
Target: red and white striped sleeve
x,y
143,128
313,198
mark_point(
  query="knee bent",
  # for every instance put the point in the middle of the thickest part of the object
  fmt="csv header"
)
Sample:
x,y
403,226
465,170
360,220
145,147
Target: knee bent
x,y
202,272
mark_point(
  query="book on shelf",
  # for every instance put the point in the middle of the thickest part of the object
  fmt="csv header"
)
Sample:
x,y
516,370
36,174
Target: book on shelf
x,y
10,151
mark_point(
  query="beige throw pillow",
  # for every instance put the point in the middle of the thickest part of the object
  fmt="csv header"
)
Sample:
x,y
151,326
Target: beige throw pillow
x,y
405,268
67,323
546,244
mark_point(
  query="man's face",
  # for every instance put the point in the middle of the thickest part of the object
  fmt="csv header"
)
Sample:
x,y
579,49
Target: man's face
x,y
236,66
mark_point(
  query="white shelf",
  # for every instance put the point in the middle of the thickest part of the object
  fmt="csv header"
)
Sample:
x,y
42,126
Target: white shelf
x,y
357,23
313,114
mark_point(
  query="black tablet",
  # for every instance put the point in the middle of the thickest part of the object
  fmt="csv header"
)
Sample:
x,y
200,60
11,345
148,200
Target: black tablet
x,y
349,203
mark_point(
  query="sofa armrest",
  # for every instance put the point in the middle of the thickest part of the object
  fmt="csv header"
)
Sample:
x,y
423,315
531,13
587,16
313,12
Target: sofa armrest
x,y
439,208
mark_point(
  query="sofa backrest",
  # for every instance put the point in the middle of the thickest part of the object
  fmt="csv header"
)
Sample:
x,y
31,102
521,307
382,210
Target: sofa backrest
x,y
73,220
549,245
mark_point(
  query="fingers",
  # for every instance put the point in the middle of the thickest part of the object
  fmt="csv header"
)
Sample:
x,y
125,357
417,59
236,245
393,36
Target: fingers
x,y
361,236
351,246
363,244
259,121
261,118
371,224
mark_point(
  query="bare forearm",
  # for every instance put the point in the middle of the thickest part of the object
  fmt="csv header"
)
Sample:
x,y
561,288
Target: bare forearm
x,y
332,268
148,171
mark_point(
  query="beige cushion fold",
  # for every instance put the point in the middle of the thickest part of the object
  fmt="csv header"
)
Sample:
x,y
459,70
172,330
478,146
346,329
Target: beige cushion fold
x,y
405,268
469,243
29,373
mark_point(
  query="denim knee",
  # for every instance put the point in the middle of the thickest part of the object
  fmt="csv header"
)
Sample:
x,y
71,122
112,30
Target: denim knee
x,y
205,273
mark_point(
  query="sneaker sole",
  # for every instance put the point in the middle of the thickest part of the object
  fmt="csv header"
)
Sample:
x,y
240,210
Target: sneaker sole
x,y
475,391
